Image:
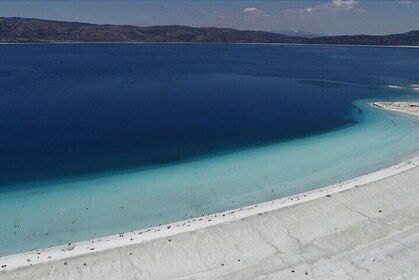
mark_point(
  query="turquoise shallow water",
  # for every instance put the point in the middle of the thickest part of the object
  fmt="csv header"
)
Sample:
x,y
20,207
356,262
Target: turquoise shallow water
x,y
78,210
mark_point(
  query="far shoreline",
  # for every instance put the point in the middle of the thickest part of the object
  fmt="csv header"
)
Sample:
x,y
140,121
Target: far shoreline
x,y
201,43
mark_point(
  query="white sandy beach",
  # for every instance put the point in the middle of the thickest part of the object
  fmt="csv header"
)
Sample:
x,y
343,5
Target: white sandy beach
x,y
364,228
410,108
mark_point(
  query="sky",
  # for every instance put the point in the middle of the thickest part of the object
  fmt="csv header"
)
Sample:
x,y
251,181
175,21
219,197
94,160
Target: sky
x,y
326,17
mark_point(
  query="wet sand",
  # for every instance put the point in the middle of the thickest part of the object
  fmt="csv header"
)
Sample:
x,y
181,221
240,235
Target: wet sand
x,y
365,228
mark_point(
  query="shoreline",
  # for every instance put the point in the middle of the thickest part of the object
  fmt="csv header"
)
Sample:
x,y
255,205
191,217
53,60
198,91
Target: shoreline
x,y
405,108
46,255
202,43
51,254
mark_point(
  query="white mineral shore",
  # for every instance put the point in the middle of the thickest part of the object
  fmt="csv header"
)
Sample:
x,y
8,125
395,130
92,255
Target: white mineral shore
x,y
410,108
364,228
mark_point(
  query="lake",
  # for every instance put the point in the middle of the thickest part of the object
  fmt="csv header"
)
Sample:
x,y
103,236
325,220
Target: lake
x,y
97,139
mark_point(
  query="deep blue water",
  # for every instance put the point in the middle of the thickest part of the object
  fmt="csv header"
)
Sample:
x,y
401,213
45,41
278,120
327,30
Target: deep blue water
x,y
69,110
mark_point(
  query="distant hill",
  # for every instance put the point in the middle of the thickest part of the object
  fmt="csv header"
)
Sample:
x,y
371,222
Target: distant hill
x,y
36,30
407,39
298,33
26,30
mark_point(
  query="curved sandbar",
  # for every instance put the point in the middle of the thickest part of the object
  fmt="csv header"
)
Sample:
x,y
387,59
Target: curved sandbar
x,y
409,108
339,232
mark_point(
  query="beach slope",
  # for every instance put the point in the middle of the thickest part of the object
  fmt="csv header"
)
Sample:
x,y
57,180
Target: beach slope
x,y
368,232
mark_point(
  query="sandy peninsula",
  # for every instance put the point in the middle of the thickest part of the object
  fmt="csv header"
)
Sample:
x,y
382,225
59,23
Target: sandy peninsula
x,y
410,108
364,228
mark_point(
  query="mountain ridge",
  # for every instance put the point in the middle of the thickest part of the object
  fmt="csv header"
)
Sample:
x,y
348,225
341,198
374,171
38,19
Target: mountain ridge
x,y
32,30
